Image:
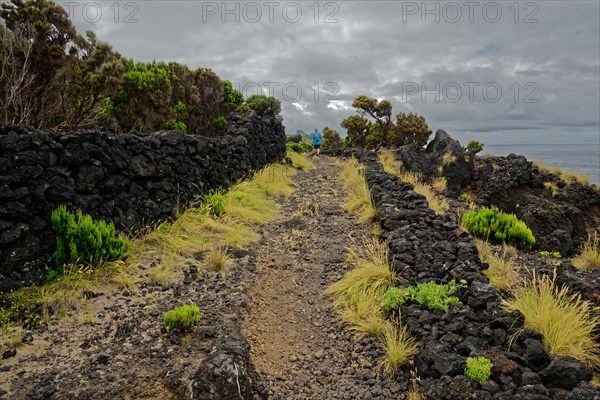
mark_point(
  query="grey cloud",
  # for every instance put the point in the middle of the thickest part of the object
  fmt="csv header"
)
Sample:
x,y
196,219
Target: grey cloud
x,y
373,51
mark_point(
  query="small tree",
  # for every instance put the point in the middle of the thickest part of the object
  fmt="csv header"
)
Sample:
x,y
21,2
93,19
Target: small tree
x,y
357,129
331,139
411,129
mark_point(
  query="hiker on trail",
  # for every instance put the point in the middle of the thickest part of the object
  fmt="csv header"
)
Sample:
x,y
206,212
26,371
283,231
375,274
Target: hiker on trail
x,y
316,137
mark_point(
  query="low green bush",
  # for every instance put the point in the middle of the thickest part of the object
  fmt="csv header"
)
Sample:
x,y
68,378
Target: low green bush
x,y
182,319
301,147
493,225
215,203
435,296
478,369
80,239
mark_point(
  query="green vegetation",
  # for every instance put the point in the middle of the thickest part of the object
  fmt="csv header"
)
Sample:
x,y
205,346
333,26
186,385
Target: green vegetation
x,y
433,295
301,147
81,240
465,197
555,254
264,105
359,198
409,129
331,139
478,369
473,147
567,323
53,77
589,255
493,225
182,319
215,203
246,205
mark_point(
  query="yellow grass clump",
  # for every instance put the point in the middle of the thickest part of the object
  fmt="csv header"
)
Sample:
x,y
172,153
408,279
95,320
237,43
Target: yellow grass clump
x,y
359,197
399,347
567,323
589,255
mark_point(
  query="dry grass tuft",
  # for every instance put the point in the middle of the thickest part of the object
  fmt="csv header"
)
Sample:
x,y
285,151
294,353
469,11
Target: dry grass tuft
x,y
217,258
567,323
589,255
399,347
359,197
567,176
372,270
503,272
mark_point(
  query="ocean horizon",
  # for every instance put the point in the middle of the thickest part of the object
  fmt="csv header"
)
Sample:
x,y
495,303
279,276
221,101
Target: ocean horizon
x,y
582,158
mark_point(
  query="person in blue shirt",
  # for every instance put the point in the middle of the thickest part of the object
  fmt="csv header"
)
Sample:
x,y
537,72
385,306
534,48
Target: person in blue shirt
x,y
316,137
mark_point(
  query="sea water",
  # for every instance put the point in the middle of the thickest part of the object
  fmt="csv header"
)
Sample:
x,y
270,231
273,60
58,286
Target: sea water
x,y
583,159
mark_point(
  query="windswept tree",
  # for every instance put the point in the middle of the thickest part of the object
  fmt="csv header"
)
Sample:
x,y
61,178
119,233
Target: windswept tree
x,y
410,128
380,111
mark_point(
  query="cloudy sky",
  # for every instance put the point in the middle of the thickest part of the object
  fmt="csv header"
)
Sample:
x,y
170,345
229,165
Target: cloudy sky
x,y
500,72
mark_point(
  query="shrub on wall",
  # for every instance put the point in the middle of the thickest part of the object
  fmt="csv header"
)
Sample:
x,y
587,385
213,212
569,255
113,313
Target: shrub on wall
x,y
493,225
80,239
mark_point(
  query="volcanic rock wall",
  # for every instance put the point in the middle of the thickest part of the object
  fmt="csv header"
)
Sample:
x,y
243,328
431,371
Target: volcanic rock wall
x,y
131,179
427,247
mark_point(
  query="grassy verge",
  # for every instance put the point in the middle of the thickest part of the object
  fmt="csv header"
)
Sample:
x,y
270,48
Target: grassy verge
x,y
568,324
436,201
165,248
359,197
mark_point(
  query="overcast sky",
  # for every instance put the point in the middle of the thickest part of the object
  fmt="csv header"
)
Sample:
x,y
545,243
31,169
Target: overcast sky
x,y
500,72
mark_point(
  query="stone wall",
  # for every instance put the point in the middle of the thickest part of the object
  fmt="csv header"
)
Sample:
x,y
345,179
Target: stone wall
x,y
428,247
131,179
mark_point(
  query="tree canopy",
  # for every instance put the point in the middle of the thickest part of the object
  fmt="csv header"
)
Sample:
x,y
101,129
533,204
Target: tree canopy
x,y
361,132
51,77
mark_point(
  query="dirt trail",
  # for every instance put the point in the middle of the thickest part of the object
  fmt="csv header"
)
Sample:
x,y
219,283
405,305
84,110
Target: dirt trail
x,y
300,347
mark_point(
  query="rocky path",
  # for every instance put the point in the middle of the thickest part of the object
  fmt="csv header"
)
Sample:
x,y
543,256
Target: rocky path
x,y
299,346
117,346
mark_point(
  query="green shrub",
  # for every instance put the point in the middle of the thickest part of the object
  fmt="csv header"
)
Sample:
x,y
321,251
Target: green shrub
x,y
478,369
495,226
80,239
215,203
394,297
301,147
465,197
433,295
473,147
264,105
183,318
219,123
